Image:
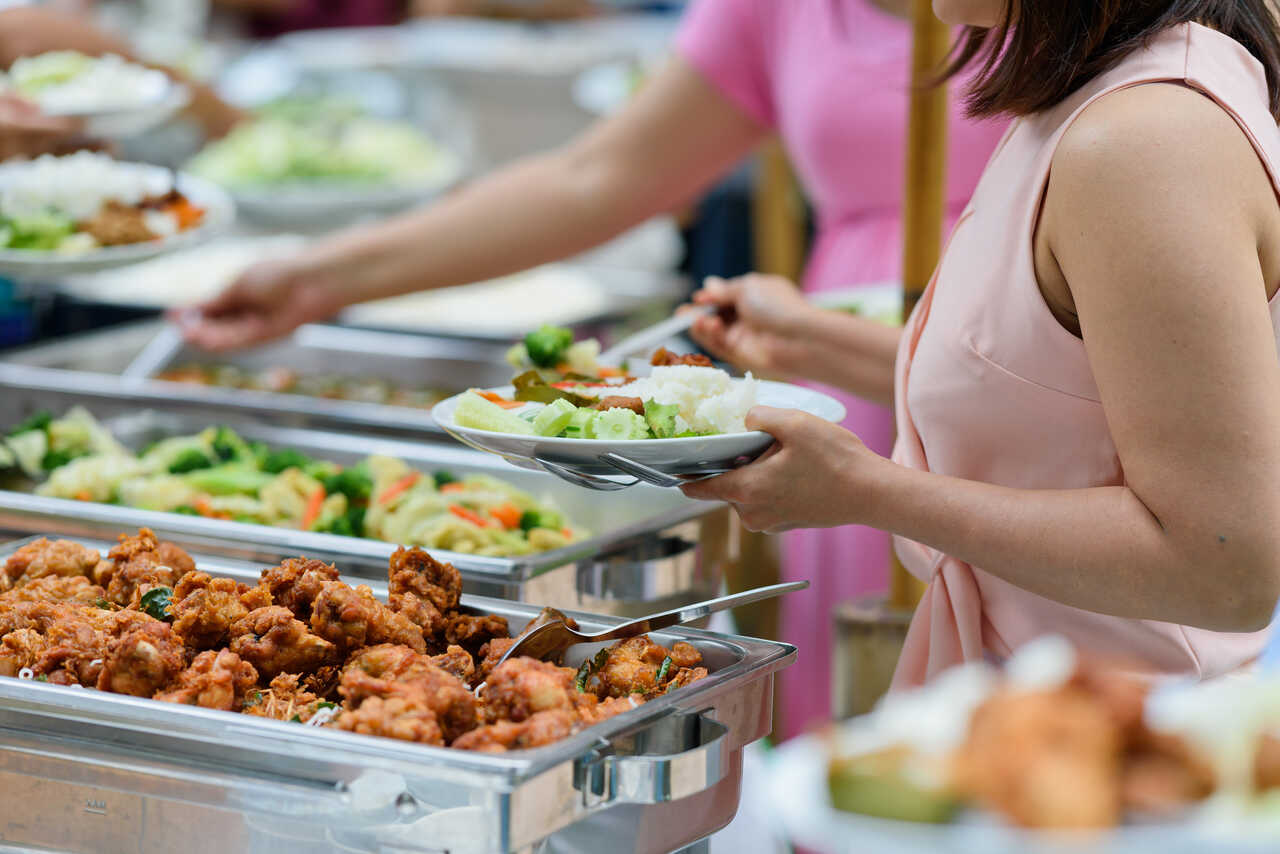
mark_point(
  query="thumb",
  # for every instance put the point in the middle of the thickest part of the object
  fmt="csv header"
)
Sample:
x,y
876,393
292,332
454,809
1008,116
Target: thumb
x,y
778,423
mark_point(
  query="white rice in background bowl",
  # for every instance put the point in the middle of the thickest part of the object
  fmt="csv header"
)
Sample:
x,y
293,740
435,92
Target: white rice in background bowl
x,y
710,400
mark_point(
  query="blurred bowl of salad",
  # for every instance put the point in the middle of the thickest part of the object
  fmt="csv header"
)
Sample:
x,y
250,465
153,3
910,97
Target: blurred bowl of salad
x,y
882,302
319,162
115,98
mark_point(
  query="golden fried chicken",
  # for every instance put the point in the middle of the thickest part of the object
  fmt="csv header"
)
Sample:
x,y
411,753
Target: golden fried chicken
x,y
253,598
215,680
635,665
542,728
351,618
286,698
142,661
414,571
388,661
1163,775
663,357
118,224
139,563
274,642
421,612
1046,759
19,650
55,588
684,676
43,558
453,705
323,682
457,661
204,609
77,638
592,710
403,716
471,633
521,687
296,582
489,656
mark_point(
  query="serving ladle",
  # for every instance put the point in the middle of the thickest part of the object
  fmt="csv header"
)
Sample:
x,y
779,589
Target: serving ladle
x,y
555,634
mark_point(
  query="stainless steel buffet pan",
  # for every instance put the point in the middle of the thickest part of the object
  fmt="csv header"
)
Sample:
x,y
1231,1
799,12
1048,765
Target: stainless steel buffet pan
x,y
83,771
411,361
648,547
103,351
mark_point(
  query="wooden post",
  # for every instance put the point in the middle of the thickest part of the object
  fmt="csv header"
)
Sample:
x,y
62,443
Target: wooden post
x,y
869,633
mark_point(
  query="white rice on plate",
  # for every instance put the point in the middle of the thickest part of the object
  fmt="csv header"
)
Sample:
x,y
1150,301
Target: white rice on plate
x,y
710,400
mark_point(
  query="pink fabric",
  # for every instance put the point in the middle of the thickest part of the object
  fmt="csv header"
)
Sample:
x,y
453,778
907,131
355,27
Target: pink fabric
x,y
992,388
832,76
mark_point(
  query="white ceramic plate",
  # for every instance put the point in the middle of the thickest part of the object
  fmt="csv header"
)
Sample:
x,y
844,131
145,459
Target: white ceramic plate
x,y
30,264
797,782
692,456
146,115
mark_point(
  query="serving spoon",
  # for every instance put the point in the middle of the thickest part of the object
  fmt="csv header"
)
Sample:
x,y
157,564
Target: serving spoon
x,y
553,637
649,338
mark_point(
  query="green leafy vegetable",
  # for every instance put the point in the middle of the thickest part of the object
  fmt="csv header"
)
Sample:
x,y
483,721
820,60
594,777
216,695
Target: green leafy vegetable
x,y
547,345
190,459
229,447
57,459
277,461
531,519
356,483
38,421
254,699
664,669
103,604
532,387
156,602
185,510
296,719
442,477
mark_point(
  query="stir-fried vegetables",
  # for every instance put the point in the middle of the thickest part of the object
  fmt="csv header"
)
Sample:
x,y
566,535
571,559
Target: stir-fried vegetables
x,y
219,475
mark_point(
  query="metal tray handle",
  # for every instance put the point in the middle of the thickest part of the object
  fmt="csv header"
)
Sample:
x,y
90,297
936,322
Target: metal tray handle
x,y
643,777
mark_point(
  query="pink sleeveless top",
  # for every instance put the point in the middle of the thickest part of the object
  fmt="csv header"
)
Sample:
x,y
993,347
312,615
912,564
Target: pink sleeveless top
x,y
991,388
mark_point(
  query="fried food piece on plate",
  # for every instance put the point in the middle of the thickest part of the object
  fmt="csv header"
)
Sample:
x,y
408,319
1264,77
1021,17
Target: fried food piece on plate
x,y
286,698
473,632
635,666
77,639
1045,759
142,660
139,563
1163,775
215,680
421,612
274,642
21,649
662,357
1266,768
351,618
489,656
44,558
54,588
403,716
414,571
118,224
205,608
540,729
389,661
684,676
453,705
592,710
254,598
296,583
521,687
635,404
457,661
323,682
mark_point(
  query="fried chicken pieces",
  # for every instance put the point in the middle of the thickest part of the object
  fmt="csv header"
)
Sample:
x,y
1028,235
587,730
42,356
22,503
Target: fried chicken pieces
x,y
304,646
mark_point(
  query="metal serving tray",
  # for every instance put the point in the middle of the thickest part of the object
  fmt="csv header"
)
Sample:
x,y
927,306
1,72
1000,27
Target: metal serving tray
x,y
412,361
650,548
83,771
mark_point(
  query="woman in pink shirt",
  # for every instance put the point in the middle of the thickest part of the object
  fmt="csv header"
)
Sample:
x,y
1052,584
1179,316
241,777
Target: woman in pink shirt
x,y
831,76
1088,395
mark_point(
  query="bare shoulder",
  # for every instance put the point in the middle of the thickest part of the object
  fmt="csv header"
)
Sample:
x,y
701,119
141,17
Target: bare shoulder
x,y
1161,140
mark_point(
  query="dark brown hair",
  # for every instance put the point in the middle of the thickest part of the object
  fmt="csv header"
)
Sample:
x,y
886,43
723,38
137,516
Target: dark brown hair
x,y
1043,50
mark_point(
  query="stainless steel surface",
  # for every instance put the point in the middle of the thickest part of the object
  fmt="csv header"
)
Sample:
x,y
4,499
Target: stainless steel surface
x,y
649,338
549,640
651,475
84,771
648,549
108,351
586,481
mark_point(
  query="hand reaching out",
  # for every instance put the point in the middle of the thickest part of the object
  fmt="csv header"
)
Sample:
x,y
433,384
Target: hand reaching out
x,y
757,323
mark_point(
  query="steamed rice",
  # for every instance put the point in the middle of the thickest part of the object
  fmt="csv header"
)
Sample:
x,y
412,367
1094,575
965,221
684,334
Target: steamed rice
x,y
710,400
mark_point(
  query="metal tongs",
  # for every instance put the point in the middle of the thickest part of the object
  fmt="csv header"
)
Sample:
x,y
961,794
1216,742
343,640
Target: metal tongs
x,y
551,638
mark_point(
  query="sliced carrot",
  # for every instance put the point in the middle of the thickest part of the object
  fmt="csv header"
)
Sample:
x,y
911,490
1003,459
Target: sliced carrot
x,y
185,213
400,486
508,514
566,533
314,503
454,486
84,495
501,401
206,510
607,371
472,517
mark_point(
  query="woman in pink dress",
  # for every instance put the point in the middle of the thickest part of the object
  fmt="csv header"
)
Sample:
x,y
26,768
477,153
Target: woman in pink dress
x,y
831,76
1088,396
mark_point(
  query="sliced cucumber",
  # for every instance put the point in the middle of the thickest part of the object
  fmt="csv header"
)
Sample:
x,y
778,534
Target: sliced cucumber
x,y
479,414
579,421
554,417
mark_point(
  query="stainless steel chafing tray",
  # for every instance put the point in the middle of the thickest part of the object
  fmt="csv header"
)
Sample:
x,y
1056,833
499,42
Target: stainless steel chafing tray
x,y
83,771
139,353
649,548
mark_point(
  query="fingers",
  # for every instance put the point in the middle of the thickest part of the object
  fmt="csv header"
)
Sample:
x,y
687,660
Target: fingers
x,y
782,424
718,292
231,332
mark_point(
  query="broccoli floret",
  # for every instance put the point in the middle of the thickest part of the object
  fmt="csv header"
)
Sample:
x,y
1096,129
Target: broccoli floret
x,y
547,345
57,459
191,459
355,483
661,418
350,524
531,519
277,461
185,510
442,477
38,421
229,446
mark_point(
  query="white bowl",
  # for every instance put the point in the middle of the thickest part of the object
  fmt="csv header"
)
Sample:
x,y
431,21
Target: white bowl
x,y
219,214
697,455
